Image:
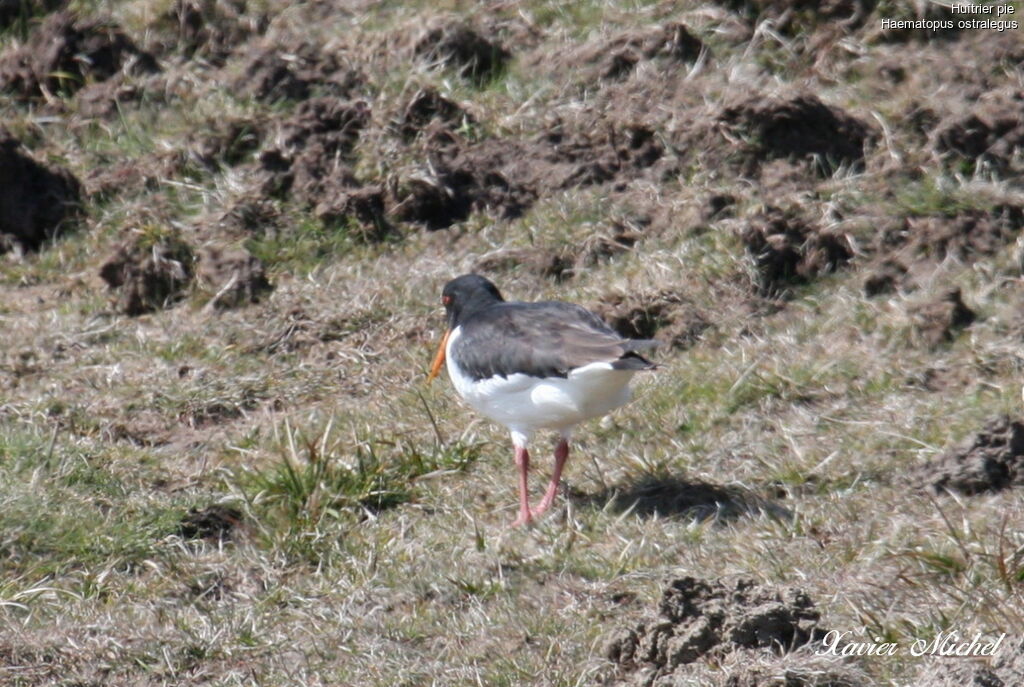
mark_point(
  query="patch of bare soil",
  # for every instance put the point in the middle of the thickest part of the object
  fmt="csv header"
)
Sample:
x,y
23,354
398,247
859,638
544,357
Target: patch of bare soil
x,y
990,137
886,276
578,156
329,122
938,321
427,109
788,250
147,275
250,215
214,522
37,202
968,235
65,53
462,178
227,142
14,11
663,315
618,56
506,176
312,164
816,137
464,50
906,249
233,276
278,69
701,620
362,211
667,497
991,460
207,30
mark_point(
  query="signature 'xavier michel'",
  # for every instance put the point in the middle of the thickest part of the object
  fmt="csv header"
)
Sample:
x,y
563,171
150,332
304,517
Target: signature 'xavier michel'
x,y
531,366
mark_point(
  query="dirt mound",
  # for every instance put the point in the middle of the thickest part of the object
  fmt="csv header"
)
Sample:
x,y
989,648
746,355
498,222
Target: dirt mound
x,y
148,272
427,108
276,71
233,276
989,138
14,11
463,178
787,250
505,176
316,142
227,142
619,55
663,315
213,522
359,210
585,155
887,276
701,619
334,123
938,321
200,29
317,173
905,250
37,202
991,460
65,53
967,235
802,130
668,496
460,48
313,164
249,215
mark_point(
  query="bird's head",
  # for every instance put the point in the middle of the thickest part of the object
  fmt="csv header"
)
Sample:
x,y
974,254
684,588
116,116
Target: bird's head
x,y
462,297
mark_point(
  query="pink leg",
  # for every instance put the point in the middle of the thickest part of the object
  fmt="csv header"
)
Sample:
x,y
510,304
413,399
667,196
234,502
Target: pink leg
x,y
523,463
561,453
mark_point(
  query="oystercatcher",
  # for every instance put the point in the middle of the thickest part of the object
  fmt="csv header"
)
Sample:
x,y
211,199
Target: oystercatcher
x,y
532,366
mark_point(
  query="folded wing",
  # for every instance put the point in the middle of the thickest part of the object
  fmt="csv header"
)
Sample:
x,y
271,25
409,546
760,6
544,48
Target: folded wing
x,y
547,339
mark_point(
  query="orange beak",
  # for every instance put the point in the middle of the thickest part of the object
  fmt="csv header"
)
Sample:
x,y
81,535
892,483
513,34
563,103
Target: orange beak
x,y
435,367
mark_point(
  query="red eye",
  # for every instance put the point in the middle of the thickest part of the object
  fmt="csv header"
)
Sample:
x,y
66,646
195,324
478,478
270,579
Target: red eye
x,y
446,300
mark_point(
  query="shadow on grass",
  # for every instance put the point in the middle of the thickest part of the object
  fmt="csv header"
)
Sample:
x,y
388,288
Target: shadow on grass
x,y
668,496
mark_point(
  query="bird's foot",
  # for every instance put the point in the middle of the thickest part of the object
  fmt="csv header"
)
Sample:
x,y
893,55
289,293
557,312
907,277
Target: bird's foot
x,y
542,507
525,518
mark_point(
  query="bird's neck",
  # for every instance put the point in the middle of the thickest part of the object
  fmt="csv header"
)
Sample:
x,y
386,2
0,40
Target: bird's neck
x,y
473,306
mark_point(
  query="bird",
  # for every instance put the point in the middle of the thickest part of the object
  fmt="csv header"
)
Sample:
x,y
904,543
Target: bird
x,y
531,366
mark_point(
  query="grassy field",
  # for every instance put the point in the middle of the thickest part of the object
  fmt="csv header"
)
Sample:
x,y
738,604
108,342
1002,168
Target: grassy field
x,y
270,493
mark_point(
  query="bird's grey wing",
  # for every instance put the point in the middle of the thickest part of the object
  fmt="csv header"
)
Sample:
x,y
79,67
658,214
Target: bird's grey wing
x,y
543,340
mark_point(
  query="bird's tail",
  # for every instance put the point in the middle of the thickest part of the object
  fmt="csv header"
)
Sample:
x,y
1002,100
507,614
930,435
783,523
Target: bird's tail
x,y
631,360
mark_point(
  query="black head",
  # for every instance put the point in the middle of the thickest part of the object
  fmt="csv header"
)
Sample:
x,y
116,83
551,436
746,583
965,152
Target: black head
x,y
467,294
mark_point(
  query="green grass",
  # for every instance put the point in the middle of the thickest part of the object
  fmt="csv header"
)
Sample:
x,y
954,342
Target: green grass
x,y
373,545
320,476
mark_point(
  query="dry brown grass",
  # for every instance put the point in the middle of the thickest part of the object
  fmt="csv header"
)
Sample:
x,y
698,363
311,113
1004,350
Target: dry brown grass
x,y
816,408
